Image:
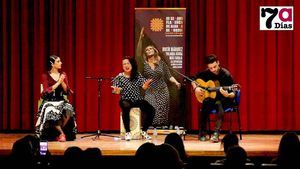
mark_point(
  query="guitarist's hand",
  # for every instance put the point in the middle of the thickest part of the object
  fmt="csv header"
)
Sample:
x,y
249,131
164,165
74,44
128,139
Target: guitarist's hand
x,y
199,91
224,92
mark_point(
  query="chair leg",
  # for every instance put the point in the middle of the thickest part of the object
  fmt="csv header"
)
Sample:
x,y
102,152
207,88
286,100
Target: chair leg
x,y
199,124
230,122
239,123
208,127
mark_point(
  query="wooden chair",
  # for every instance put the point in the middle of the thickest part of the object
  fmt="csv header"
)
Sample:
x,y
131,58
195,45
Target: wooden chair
x,y
231,110
135,124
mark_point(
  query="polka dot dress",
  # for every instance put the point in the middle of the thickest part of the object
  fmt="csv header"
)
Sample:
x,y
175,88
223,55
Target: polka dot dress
x,y
158,94
131,89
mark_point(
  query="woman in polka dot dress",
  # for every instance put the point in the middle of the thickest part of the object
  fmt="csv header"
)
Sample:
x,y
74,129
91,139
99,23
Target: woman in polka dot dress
x,y
158,94
129,84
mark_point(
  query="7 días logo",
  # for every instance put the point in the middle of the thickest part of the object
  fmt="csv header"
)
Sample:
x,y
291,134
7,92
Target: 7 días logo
x,y
276,18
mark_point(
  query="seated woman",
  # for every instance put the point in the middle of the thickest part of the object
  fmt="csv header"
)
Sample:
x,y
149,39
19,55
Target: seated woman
x,y
56,116
129,84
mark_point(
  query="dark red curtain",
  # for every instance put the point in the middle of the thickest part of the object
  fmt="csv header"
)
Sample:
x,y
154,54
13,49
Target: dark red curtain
x,y
91,36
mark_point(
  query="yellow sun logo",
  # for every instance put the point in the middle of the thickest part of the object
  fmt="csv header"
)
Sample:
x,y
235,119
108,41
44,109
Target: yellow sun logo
x,y
156,24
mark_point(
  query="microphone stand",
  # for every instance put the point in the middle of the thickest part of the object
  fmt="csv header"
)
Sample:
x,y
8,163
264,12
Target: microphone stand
x,y
99,79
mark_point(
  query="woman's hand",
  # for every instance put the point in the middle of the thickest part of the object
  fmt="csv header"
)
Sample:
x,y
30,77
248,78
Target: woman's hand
x,y
116,90
173,80
62,78
147,83
142,33
178,85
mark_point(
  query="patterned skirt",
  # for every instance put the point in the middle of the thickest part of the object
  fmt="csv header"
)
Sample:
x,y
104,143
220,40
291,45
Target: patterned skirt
x,y
50,114
160,100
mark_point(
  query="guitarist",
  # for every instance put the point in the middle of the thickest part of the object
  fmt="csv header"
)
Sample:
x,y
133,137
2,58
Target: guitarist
x,y
223,99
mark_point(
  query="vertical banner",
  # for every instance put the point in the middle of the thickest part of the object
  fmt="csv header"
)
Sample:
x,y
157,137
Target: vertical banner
x,y
163,29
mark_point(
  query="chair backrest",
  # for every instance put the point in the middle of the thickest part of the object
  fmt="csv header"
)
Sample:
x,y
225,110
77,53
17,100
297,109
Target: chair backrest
x,y
236,103
40,99
237,97
233,108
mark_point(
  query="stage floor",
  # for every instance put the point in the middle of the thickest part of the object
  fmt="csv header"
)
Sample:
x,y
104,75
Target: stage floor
x,y
256,145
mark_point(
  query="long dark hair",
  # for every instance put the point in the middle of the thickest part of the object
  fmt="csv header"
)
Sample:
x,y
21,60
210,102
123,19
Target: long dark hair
x,y
229,140
288,150
176,141
134,71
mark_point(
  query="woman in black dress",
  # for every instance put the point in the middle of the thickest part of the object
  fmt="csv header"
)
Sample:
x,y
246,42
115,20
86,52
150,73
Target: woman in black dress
x,y
56,116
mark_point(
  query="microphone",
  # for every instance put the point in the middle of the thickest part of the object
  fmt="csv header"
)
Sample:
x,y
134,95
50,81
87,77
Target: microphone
x,y
95,77
90,77
100,78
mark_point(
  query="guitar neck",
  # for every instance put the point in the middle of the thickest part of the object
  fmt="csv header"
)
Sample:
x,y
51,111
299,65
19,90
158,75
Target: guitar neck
x,y
218,88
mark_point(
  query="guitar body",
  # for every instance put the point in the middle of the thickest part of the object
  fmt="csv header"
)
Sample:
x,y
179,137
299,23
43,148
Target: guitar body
x,y
203,85
210,87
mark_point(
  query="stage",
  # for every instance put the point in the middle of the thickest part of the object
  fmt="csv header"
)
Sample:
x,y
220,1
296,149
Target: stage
x,y
256,145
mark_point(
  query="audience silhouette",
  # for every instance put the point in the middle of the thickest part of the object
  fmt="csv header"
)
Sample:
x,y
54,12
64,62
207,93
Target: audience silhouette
x,y
236,158
176,141
288,151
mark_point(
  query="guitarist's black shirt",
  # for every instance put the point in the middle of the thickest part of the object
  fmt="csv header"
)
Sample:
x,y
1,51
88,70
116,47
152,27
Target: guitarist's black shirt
x,y
224,78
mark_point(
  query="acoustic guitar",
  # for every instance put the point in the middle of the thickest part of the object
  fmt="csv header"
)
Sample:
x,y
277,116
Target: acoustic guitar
x,y
210,87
